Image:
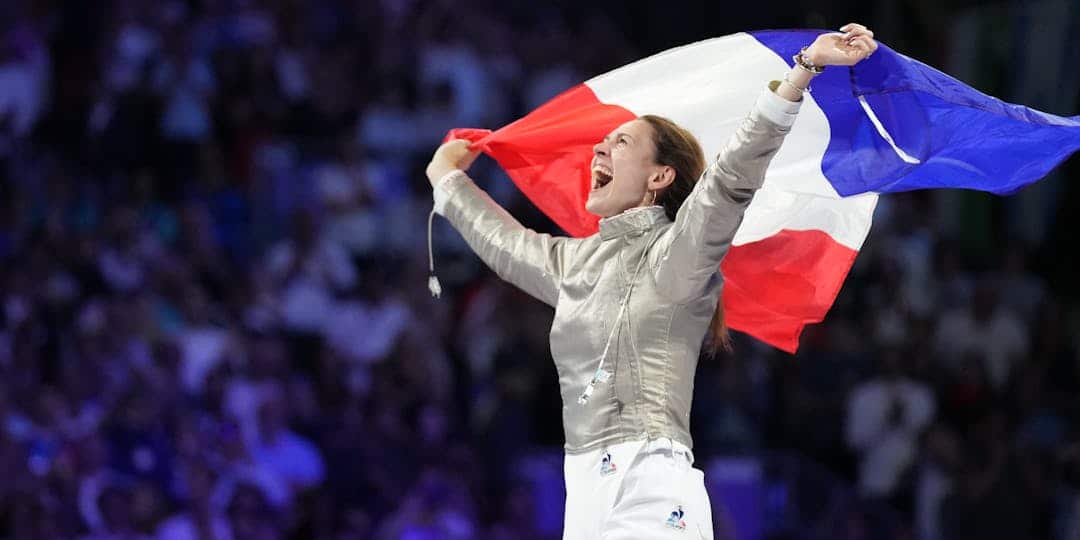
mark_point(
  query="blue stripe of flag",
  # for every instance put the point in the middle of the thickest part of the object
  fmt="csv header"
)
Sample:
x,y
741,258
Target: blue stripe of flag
x,y
961,137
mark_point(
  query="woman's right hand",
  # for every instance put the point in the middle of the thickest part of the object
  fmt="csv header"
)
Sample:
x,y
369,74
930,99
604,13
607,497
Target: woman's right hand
x,y
854,45
449,156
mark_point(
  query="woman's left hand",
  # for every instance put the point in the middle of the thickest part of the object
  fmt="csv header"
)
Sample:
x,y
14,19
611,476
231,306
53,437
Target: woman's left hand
x,y
834,49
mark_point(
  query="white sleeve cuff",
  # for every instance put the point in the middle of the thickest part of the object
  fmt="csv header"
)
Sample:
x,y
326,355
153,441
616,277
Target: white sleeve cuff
x,y
777,109
441,191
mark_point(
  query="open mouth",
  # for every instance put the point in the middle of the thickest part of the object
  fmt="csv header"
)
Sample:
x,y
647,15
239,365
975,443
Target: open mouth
x,y
601,176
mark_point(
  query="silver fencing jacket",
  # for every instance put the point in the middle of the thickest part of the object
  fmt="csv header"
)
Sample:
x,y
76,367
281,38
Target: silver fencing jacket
x,y
634,301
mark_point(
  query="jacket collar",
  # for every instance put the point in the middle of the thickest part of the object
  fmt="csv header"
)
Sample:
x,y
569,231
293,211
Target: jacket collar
x,y
635,220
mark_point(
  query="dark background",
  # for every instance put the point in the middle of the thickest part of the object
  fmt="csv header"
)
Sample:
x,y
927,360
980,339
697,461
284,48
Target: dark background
x,y
215,322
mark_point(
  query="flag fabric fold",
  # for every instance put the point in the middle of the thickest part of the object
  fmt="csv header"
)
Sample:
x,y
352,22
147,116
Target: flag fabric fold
x,y
888,124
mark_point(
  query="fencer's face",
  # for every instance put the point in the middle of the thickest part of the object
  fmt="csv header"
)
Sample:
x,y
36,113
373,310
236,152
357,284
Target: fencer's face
x,y
621,167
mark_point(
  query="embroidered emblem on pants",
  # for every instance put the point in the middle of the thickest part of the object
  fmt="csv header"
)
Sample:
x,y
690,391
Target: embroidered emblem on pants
x,y
607,466
675,519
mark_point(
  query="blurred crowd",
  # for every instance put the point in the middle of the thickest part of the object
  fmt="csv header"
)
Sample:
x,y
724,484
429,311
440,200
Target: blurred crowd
x,y
215,322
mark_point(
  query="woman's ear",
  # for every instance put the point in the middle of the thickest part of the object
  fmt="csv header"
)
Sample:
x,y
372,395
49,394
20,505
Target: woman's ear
x,y
663,178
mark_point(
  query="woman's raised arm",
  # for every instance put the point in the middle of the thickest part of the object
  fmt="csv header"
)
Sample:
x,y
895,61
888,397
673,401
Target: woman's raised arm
x,y
533,262
689,254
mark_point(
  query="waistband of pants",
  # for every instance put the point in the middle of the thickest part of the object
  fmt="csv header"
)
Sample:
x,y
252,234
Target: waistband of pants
x,y
668,446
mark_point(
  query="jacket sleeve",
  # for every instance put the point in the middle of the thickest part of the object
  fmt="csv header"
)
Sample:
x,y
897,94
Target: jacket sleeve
x,y
531,261
689,253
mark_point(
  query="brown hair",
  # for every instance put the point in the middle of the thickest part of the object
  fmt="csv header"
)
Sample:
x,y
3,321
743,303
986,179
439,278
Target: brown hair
x,y
679,149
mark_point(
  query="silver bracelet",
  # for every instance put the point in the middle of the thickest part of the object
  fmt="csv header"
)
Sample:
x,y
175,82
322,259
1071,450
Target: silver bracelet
x,y
804,62
793,85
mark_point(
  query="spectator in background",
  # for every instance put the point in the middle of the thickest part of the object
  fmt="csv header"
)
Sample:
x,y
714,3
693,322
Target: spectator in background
x,y
729,427
451,67
290,456
376,312
140,444
886,416
547,53
988,501
24,79
187,85
387,124
1020,291
203,343
516,524
251,517
436,507
239,467
199,519
115,502
967,395
351,220
940,461
308,269
953,284
249,383
121,264
986,328
94,476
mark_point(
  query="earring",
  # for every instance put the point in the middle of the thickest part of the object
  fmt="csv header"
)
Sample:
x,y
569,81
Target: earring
x,y
653,201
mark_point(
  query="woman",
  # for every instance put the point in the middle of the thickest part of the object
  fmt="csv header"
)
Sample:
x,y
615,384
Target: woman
x,y
634,301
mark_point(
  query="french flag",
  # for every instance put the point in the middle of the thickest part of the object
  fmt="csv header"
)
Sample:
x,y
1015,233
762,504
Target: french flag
x,y
888,124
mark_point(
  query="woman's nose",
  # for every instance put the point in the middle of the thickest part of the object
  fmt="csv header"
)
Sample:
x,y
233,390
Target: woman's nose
x,y
600,149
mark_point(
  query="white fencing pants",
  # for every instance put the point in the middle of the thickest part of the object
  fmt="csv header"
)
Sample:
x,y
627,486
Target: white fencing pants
x,y
636,490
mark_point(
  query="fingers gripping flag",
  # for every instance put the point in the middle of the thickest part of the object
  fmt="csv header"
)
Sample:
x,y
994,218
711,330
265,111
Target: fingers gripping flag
x,y
889,124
